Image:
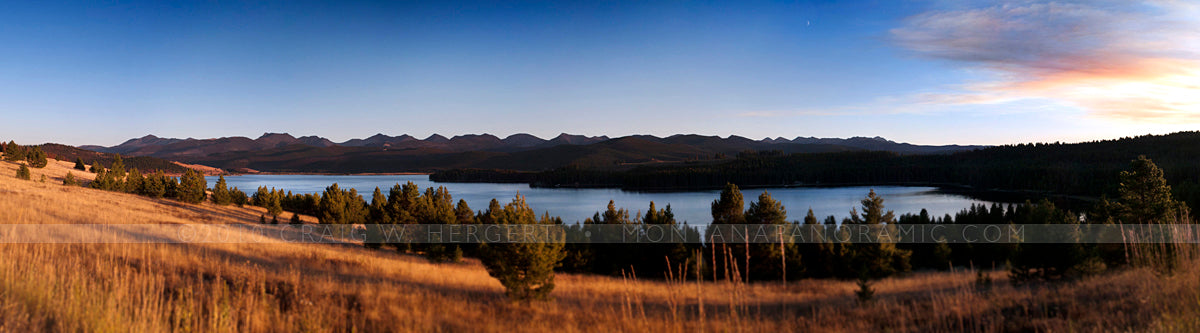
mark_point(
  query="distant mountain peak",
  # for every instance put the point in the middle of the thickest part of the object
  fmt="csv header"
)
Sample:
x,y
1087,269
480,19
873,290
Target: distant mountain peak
x,y
269,134
436,138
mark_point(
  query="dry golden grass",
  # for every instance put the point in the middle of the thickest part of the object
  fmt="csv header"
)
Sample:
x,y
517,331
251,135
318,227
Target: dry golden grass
x,y
329,287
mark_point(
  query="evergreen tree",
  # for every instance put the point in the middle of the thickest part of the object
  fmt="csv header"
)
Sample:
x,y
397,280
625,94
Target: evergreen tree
x,y
463,213
192,187
96,168
1146,199
102,181
14,152
296,219
79,164
261,197
36,157
117,173
23,172
155,186
877,259
768,255
135,182
728,208
436,207
1145,196
69,180
378,215
220,193
339,206
1058,255
525,267
275,203
238,197
401,203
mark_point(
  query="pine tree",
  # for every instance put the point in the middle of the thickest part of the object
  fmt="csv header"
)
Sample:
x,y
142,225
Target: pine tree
x,y
69,180
1146,199
192,187
117,173
96,168
332,209
378,216
437,208
525,267
1057,255
1145,196
155,186
102,181
728,208
238,197
14,152
463,213
296,219
220,193
36,157
79,164
275,203
135,182
879,258
768,257
23,172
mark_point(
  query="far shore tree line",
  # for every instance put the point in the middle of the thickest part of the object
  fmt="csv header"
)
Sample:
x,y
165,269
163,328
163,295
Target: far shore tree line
x,y
527,269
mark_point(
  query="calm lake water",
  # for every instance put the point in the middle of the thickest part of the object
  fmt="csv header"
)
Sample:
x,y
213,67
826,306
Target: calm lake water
x,y
577,204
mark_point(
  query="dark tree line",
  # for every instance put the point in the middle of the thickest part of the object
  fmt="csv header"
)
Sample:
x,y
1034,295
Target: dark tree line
x,y
191,187
32,155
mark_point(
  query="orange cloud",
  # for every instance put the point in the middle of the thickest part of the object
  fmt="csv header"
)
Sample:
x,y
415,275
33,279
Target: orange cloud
x,y
1124,61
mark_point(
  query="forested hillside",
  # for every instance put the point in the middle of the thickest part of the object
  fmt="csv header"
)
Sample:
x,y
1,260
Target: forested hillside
x,y
1087,169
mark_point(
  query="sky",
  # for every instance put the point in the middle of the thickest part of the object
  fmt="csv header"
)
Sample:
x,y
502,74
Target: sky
x,y
925,72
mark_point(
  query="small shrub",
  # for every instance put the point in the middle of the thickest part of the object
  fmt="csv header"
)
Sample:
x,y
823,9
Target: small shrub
x,y
983,281
69,180
864,293
23,172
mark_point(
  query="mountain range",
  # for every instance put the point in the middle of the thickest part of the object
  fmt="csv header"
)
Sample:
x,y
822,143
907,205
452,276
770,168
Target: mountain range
x,y
282,152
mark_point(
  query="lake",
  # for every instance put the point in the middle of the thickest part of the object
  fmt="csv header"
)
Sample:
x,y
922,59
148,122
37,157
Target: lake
x,y
577,204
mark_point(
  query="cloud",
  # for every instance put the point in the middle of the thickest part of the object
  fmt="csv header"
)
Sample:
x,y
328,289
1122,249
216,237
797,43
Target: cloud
x,y
1125,60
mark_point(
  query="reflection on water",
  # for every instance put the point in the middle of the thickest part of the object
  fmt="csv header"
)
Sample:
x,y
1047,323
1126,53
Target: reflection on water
x,y
577,204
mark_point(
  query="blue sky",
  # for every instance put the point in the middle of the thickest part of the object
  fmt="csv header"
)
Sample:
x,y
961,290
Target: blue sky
x,y
927,72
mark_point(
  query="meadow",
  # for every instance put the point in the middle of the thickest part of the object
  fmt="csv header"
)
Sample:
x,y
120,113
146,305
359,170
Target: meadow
x,y
345,287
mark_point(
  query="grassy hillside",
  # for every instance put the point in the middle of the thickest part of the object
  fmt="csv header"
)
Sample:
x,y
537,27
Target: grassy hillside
x,y
311,287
